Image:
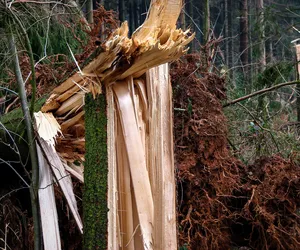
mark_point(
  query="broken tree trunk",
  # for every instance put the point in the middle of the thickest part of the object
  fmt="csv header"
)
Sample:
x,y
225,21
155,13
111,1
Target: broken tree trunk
x,y
129,199
142,153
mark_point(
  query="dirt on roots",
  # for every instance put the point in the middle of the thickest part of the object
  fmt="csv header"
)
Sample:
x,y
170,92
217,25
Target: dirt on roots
x,y
222,203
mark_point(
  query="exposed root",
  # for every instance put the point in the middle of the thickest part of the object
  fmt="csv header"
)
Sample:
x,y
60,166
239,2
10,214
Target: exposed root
x,y
223,203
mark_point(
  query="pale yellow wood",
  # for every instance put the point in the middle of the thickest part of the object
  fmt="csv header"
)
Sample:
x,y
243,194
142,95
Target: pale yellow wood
x,y
72,103
161,156
162,14
170,13
69,83
47,205
67,94
51,104
156,42
76,171
124,193
137,162
71,122
62,178
113,235
47,127
157,55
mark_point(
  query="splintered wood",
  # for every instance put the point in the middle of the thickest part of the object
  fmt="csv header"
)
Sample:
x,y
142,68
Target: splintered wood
x,y
141,182
143,151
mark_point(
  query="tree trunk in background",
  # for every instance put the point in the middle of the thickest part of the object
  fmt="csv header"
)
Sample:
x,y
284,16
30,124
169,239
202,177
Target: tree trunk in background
x,y
298,77
89,10
261,40
226,33
131,16
189,13
251,20
182,16
206,28
95,174
244,41
107,4
262,108
270,57
189,10
230,38
135,12
143,8
121,10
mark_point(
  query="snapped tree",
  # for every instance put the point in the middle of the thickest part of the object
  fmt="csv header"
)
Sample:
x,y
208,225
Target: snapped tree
x,y
136,157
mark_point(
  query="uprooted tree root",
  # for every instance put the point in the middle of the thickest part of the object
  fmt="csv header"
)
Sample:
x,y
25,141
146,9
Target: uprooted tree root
x,y
223,204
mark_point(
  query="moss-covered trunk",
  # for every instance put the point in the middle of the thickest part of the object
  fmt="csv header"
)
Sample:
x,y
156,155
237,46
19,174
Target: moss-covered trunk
x,y
95,174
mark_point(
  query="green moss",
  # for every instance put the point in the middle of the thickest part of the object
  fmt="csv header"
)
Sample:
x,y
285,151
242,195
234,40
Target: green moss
x,y
14,120
95,174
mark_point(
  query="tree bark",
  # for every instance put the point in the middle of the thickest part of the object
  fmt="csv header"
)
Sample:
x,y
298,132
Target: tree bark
x,y
189,22
135,10
182,17
31,144
261,24
244,41
95,174
89,9
226,33
206,29
262,54
298,78
131,16
121,10
230,39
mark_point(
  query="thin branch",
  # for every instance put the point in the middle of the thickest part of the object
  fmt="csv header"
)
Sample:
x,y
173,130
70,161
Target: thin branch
x,y
46,2
31,142
9,90
261,127
16,172
198,28
13,191
30,54
259,92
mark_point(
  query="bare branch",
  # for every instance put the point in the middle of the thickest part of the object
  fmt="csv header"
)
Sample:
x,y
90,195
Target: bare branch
x,y
259,92
31,141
